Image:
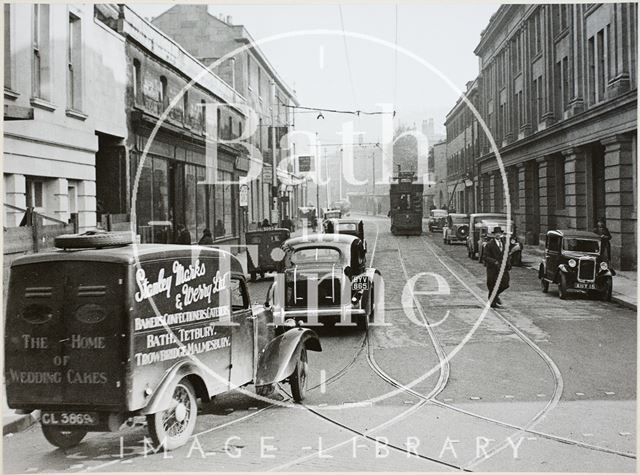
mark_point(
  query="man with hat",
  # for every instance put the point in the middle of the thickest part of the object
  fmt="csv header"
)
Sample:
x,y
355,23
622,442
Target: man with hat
x,y
493,255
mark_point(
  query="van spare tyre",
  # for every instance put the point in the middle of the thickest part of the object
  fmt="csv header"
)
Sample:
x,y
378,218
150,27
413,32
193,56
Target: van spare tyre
x,y
93,239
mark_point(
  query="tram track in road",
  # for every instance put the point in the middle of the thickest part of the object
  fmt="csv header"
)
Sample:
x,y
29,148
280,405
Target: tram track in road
x,y
527,428
440,385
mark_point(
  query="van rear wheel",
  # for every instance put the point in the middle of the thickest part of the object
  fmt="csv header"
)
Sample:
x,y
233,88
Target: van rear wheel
x,y
63,438
172,427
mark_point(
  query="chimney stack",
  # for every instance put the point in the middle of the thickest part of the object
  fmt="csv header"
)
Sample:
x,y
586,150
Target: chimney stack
x,y
229,19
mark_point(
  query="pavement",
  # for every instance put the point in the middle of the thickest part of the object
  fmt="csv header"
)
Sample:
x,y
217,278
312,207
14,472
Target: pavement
x,y
625,283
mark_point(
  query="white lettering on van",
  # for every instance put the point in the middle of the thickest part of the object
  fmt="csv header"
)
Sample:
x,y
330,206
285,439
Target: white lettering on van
x,y
79,342
184,275
146,289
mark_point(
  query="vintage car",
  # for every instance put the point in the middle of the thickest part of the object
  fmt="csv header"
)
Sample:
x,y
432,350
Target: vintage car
x,y
94,337
456,228
474,240
353,227
325,279
437,219
486,233
572,259
343,205
264,250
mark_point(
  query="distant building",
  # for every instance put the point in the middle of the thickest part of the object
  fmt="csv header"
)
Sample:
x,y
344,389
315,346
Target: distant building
x,y
558,90
209,38
439,158
462,151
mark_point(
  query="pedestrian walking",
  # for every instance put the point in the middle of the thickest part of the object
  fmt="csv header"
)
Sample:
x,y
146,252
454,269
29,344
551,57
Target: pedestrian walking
x,y
287,223
605,239
206,238
184,236
493,255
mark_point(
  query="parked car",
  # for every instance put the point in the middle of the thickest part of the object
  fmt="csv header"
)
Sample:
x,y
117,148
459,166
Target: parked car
x,y
331,268
94,337
343,205
572,259
474,238
456,228
264,250
486,234
437,219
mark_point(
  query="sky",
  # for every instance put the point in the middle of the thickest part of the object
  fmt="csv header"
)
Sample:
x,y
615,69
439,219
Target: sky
x,y
331,70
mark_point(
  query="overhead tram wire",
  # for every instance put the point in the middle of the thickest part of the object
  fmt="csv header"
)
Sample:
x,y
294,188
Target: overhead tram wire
x,y
346,52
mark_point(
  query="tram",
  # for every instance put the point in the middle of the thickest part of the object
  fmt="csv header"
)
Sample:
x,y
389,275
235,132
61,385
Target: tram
x,y
405,197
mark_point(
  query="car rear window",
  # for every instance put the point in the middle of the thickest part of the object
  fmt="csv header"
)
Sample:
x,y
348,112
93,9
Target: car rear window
x,y
315,254
347,227
581,245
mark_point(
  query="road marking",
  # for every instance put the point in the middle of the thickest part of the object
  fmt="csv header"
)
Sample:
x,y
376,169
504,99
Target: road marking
x,y
323,381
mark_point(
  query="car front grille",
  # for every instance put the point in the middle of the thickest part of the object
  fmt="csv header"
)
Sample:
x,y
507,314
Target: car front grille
x,y
587,269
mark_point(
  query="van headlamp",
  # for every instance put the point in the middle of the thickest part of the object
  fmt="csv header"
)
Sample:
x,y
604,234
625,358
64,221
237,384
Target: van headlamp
x,y
604,266
572,263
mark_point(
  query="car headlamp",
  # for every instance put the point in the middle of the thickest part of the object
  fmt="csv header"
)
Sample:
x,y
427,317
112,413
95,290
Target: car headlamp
x,y
604,266
572,263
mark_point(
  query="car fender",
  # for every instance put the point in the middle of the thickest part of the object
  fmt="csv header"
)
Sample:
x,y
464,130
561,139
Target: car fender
x,y
279,358
563,268
162,395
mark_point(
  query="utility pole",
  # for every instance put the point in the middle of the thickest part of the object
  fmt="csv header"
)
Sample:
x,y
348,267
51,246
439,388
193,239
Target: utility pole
x,y
274,186
317,177
326,172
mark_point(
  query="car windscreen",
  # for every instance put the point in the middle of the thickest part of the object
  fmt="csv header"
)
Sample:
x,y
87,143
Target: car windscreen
x,y
581,245
315,254
438,214
460,220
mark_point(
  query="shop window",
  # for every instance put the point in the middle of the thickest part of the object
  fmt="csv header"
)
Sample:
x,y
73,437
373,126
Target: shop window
x,y
185,106
202,211
144,196
190,204
560,183
161,189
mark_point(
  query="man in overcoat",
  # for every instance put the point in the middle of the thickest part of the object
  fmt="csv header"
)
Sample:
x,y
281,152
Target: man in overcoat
x,y
493,255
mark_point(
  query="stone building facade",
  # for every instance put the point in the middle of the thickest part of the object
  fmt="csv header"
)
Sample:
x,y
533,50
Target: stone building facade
x,y
558,91
67,71
209,38
160,176
462,150
440,193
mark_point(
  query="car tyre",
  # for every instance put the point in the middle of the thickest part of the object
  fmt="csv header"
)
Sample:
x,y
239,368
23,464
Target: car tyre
x,y
608,290
298,379
562,287
172,428
62,437
93,239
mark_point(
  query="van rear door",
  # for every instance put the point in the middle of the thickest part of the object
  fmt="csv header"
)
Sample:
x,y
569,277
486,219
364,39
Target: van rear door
x,y
63,338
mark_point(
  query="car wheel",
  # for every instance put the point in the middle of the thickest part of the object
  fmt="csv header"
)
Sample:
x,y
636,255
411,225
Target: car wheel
x,y
298,379
63,438
562,287
608,290
91,239
545,285
172,427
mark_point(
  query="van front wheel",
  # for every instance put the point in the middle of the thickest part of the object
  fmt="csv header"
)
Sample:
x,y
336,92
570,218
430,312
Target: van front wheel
x,y
172,427
298,379
65,439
